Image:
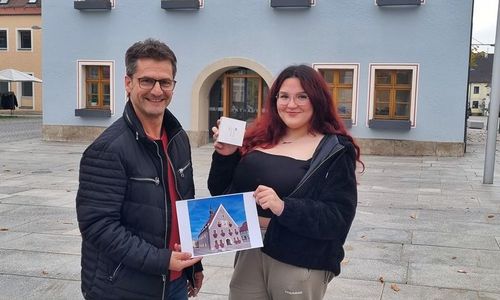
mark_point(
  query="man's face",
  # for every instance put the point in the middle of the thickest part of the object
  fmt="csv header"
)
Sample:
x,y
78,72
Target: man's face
x,y
150,103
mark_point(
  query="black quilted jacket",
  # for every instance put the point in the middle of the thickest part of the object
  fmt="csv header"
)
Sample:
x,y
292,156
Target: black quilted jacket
x,y
123,208
318,214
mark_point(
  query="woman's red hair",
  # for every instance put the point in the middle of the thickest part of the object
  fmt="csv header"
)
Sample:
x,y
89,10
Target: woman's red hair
x,y
267,130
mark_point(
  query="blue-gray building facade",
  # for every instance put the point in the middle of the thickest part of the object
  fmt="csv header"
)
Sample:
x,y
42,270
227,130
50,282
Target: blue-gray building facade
x,y
398,73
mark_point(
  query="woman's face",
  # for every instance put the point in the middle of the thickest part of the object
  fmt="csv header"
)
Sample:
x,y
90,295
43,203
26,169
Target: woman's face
x,y
293,104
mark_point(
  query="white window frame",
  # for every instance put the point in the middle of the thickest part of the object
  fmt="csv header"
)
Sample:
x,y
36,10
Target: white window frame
x,y
80,82
32,87
32,1
414,88
355,83
18,40
21,96
7,39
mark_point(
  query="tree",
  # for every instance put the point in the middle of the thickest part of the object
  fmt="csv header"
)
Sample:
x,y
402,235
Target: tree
x,y
475,54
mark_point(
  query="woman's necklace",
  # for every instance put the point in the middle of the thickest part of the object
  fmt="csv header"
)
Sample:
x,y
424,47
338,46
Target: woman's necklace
x,y
291,141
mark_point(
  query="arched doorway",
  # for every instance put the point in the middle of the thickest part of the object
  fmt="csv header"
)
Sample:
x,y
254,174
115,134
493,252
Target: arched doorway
x,y
239,93
209,84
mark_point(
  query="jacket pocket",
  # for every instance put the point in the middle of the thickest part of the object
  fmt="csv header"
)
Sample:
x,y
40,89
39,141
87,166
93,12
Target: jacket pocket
x,y
184,180
155,180
145,190
112,277
183,169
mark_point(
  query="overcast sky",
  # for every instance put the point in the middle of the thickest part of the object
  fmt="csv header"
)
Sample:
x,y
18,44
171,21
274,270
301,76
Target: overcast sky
x,y
485,22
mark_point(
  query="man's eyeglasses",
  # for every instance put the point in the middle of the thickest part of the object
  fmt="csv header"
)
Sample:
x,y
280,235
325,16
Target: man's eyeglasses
x,y
298,99
149,83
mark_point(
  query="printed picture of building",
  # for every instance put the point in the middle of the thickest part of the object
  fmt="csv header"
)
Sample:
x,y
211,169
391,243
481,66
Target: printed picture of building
x,y
221,233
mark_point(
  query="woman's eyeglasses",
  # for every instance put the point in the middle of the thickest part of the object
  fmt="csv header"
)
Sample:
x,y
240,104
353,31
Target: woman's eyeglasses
x,y
298,99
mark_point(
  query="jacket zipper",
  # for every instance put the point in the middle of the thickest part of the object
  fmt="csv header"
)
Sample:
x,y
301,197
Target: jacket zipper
x,y
164,277
181,173
112,277
313,171
155,180
181,170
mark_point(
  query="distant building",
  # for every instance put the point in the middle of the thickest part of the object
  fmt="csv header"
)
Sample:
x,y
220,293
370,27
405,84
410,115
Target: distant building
x,y
21,49
480,84
396,89
244,231
219,232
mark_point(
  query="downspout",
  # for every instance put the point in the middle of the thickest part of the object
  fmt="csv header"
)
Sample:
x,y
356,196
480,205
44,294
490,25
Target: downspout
x,y
493,112
467,98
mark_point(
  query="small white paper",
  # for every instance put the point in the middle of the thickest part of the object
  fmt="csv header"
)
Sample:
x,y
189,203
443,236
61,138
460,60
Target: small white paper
x,y
231,131
221,224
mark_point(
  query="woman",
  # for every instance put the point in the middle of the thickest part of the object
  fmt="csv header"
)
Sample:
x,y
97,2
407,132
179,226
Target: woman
x,y
300,162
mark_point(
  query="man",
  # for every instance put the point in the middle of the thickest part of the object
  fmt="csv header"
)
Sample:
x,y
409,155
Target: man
x,y
130,178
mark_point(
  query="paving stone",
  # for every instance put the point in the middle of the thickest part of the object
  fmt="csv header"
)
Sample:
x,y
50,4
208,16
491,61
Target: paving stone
x,y
51,243
455,277
454,240
220,260
372,250
15,287
373,269
6,236
39,264
214,276
488,296
347,289
447,256
379,234
411,292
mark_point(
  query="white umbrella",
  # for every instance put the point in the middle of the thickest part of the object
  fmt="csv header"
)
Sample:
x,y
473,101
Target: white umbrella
x,y
15,75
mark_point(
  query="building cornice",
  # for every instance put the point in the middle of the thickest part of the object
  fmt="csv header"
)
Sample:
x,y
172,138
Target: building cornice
x,y
15,11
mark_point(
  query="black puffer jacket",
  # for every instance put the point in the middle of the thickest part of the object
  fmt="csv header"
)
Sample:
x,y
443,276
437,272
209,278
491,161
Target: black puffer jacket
x,y
124,210
318,214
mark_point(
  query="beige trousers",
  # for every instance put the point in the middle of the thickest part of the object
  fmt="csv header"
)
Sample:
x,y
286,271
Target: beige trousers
x,y
257,276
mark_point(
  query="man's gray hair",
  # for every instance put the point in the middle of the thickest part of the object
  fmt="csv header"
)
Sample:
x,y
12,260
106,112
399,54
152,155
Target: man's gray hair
x,y
149,48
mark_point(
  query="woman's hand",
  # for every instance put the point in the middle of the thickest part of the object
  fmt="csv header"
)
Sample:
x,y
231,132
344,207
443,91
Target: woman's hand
x,y
267,198
222,148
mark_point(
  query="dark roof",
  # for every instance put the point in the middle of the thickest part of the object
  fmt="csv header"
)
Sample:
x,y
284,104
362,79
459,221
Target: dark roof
x,y
481,73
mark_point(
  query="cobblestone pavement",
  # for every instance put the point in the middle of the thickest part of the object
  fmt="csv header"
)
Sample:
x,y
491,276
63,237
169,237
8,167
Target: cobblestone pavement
x,y
20,128
426,227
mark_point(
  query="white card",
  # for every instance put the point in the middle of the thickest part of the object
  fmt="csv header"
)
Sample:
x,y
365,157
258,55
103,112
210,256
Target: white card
x,y
231,131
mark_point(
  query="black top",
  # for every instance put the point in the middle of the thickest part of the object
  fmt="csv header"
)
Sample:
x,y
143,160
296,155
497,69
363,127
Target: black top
x,y
282,173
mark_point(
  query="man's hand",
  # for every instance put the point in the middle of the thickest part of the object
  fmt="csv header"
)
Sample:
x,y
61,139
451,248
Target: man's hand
x,y
198,280
181,260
